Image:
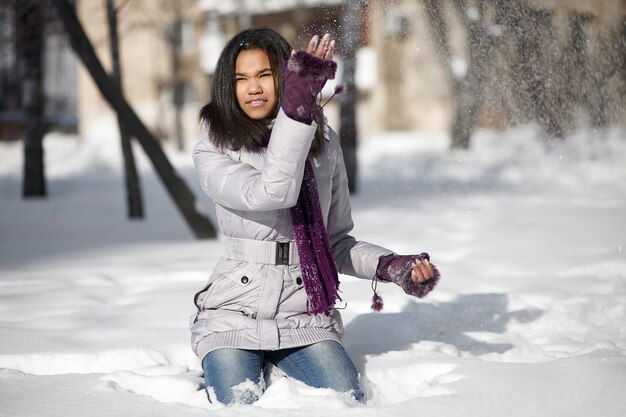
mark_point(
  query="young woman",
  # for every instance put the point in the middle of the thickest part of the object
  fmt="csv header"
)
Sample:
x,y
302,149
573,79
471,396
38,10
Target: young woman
x,y
276,173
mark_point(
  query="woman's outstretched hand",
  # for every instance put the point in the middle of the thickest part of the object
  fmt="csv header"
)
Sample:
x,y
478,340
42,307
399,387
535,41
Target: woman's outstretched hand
x,y
414,273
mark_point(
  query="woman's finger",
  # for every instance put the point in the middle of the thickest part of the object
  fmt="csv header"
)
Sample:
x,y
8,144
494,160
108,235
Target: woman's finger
x,y
322,47
313,45
431,271
330,50
417,275
429,268
426,270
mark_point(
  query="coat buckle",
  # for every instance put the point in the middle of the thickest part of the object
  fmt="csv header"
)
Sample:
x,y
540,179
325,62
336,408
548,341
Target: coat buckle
x,y
282,253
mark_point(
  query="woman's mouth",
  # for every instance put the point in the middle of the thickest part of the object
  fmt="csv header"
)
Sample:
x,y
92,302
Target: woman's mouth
x,y
257,102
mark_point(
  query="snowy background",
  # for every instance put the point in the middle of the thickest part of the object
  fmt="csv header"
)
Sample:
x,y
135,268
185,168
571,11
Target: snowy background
x,y
528,320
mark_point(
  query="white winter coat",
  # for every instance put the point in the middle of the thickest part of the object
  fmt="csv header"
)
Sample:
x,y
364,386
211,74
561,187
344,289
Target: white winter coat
x,y
253,192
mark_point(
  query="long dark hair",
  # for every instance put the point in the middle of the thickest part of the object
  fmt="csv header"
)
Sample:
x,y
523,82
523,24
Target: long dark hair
x,y
229,127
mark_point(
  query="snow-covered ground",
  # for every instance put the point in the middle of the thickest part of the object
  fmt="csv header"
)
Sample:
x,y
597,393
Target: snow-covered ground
x,y
528,320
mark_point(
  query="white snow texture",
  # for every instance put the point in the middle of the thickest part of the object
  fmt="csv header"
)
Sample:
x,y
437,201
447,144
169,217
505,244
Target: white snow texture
x,y
528,319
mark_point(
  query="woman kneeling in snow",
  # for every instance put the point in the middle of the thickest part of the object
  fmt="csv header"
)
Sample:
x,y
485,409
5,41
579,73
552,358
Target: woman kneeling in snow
x,y
276,173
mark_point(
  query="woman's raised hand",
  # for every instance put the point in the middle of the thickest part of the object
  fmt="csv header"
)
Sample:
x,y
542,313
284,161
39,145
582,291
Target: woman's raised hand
x,y
321,48
306,73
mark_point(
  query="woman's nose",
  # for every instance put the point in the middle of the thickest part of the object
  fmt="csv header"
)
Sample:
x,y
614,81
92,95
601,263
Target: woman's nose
x,y
254,87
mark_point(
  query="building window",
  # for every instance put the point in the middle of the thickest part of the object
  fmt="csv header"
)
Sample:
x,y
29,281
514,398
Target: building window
x,y
187,36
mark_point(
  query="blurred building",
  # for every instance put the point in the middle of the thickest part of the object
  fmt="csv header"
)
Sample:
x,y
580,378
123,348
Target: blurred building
x,y
150,34
169,48
401,82
147,52
580,57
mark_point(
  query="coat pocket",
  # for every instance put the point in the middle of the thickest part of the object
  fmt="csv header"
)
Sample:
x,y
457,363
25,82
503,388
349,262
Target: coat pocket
x,y
201,297
236,286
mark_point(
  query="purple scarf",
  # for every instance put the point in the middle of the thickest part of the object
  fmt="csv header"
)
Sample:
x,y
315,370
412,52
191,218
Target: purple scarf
x,y
317,265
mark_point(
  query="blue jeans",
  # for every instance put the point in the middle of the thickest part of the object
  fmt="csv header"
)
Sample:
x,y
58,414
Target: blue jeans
x,y
235,375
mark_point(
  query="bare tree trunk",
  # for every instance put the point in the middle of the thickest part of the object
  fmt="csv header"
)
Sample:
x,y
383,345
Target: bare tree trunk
x,y
546,94
30,47
350,18
467,91
175,41
623,48
622,100
480,43
533,36
602,64
524,63
178,190
439,31
133,191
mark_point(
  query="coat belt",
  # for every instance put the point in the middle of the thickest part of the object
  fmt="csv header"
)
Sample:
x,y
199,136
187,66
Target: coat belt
x,y
262,251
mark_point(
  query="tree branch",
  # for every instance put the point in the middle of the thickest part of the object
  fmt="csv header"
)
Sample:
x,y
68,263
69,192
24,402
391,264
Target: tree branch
x,y
181,195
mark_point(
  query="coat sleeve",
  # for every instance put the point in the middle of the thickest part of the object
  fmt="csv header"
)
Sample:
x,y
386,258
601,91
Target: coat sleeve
x,y
240,186
356,258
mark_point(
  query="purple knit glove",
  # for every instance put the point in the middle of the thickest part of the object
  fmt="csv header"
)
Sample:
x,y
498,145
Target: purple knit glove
x,y
397,269
305,76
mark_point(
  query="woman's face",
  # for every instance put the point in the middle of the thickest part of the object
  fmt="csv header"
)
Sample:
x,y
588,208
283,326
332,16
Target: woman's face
x,y
254,84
